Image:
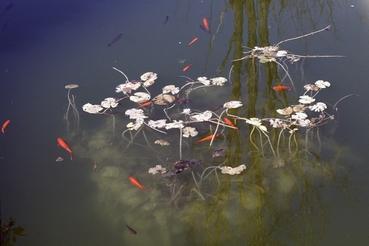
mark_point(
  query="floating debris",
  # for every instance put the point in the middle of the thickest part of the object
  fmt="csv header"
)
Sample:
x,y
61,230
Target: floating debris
x,y
158,169
162,142
233,170
218,153
59,159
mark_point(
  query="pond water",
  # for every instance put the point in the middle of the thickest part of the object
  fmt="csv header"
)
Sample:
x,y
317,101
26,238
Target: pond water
x,y
313,192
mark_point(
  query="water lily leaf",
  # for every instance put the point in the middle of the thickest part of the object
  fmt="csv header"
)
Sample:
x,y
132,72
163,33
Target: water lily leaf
x,y
163,99
162,142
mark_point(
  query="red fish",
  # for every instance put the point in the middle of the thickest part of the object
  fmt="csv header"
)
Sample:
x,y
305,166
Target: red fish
x,y
207,138
136,183
205,24
194,40
145,104
62,144
280,87
4,126
186,68
229,122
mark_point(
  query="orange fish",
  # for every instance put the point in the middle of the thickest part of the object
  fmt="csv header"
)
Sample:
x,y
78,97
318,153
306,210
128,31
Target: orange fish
x,y
205,24
229,122
186,68
5,125
207,138
145,104
136,183
62,144
280,87
194,40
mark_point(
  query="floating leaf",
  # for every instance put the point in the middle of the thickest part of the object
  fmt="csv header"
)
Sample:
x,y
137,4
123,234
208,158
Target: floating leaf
x,y
163,99
162,142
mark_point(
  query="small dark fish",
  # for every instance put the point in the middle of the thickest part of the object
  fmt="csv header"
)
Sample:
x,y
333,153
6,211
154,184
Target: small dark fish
x,y
133,231
115,39
8,7
166,20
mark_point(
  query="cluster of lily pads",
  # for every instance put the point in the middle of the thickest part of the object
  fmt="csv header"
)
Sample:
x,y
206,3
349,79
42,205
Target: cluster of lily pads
x,y
139,102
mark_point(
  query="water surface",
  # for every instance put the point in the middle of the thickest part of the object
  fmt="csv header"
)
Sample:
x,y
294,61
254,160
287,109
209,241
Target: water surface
x,y
315,199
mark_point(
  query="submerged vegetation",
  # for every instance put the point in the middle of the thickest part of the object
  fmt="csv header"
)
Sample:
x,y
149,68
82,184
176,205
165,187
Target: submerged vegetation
x,y
262,166
9,232
197,158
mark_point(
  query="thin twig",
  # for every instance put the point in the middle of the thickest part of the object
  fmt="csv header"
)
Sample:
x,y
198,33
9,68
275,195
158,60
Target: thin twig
x,y
305,35
341,99
116,69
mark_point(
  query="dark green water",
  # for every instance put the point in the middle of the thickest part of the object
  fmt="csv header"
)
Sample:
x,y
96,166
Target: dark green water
x,y
319,197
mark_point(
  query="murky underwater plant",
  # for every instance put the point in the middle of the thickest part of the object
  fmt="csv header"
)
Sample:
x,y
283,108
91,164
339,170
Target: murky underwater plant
x,y
307,114
9,232
280,168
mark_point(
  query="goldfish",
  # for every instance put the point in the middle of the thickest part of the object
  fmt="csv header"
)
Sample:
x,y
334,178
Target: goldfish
x,y
145,104
280,88
229,122
62,144
205,24
207,138
194,40
5,125
136,183
186,68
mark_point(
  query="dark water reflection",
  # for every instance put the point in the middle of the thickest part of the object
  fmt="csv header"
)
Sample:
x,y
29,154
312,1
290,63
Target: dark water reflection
x,y
317,198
